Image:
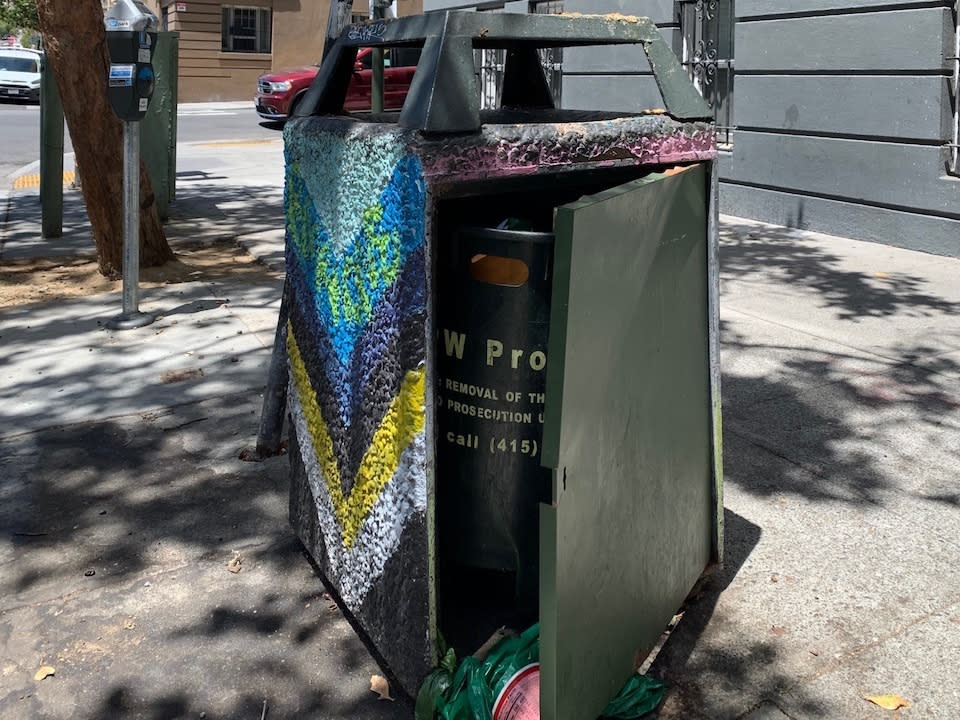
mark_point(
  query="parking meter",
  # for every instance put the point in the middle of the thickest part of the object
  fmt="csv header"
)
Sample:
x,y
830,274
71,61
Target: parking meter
x,y
131,39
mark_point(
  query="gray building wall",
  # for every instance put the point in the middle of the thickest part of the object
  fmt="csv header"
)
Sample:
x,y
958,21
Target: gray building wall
x,y
842,110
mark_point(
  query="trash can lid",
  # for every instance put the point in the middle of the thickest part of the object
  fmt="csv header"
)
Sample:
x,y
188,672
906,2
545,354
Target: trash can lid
x,y
444,97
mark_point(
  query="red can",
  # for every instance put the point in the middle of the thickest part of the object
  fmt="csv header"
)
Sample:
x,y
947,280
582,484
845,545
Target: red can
x,y
520,697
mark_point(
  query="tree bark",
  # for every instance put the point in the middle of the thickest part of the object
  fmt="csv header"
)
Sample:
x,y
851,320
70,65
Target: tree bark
x,y
76,48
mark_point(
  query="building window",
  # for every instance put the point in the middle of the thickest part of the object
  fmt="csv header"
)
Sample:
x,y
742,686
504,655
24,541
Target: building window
x,y
245,29
953,144
706,29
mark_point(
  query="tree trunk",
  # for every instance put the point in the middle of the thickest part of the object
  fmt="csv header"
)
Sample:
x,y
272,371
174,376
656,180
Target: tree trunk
x,y
73,35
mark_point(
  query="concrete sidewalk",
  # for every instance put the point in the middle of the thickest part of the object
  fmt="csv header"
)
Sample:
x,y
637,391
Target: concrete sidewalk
x,y
120,457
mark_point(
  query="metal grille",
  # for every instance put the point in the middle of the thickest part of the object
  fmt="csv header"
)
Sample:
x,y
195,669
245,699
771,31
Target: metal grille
x,y
706,28
551,58
953,146
490,63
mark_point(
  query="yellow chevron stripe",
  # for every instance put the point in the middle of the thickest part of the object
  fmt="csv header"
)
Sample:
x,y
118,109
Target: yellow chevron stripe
x,y
402,422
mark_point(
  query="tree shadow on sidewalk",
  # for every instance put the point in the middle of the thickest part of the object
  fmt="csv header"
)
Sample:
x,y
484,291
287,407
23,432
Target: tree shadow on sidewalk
x,y
120,533
849,436
823,426
769,254
206,209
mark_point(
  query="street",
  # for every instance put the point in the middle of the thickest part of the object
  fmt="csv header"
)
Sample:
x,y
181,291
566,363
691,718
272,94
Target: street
x,y
198,122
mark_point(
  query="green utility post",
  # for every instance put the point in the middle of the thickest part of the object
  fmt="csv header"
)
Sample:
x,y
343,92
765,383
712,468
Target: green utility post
x,y
376,85
158,139
51,154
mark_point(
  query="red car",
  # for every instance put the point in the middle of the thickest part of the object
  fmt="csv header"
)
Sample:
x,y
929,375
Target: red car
x,y
279,92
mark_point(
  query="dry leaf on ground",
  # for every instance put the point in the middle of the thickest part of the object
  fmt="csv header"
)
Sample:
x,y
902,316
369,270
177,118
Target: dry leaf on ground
x,y
888,702
380,686
235,565
45,671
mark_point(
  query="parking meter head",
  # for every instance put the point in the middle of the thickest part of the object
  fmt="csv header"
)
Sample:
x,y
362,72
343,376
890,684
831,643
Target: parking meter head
x,y
130,15
131,31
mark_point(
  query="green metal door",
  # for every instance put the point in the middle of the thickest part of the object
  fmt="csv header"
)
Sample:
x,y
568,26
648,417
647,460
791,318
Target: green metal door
x,y
628,432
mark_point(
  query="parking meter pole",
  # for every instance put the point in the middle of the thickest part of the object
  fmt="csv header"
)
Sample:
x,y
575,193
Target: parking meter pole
x,y
131,30
51,155
131,217
131,317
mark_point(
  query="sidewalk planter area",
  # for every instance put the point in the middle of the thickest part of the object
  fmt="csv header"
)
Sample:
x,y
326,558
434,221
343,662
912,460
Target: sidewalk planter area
x,y
630,514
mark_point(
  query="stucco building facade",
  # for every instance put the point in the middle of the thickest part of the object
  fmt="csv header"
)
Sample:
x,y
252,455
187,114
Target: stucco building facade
x,y
225,46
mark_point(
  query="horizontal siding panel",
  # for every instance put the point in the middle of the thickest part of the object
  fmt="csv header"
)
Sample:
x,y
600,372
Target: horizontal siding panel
x,y
626,93
750,8
213,26
207,36
211,41
915,41
205,19
203,72
250,64
186,65
227,66
434,5
612,59
926,233
892,174
620,58
892,107
207,55
206,14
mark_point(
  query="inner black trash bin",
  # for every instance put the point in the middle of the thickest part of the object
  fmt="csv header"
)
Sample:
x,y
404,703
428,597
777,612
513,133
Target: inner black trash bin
x,y
493,314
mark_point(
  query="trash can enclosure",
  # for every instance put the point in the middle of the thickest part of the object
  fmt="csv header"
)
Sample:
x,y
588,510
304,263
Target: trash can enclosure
x,y
630,419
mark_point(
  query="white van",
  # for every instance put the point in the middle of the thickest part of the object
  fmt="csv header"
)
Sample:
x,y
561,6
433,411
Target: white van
x,y
20,74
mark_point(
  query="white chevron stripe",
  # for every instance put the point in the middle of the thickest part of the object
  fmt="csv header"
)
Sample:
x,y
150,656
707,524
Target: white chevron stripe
x,y
354,571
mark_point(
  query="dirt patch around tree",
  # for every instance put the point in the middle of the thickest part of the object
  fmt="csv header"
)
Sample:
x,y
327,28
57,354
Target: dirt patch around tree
x,y
23,282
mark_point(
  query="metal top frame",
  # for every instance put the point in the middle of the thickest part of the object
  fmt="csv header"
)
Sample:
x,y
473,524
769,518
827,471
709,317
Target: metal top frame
x,y
444,97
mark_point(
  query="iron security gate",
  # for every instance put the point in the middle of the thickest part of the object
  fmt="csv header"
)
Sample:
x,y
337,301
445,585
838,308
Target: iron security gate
x,y
490,63
706,28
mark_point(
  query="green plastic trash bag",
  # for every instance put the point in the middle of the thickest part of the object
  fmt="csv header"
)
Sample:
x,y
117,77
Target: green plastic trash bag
x,y
433,692
469,697
638,697
432,696
470,691
509,656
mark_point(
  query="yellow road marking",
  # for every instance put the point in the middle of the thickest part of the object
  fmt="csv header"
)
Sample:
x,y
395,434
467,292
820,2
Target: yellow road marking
x,y
26,182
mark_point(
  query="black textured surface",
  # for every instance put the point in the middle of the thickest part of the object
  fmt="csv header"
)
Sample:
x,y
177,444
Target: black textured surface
x,y
395,612
394,620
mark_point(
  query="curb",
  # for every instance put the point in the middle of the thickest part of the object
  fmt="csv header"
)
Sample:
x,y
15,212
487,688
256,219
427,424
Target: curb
x,y
33,168
214,106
